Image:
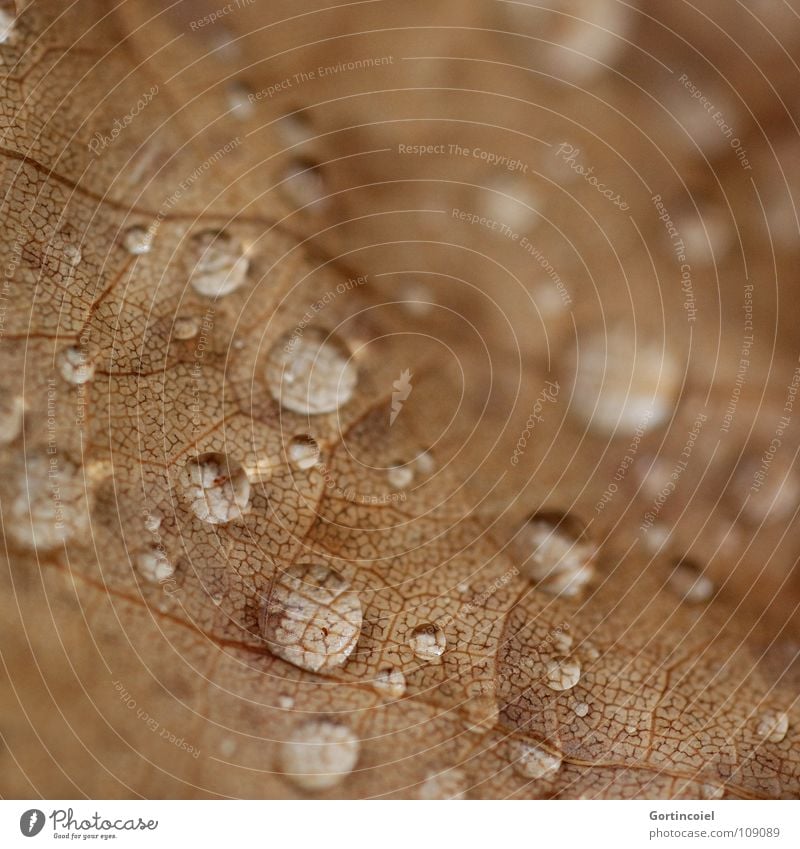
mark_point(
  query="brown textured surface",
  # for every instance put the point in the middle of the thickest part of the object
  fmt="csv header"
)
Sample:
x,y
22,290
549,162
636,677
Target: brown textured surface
x,y
112,686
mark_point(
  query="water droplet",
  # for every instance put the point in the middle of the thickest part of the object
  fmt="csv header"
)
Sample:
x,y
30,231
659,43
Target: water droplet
x,y
12,408
428,642
400,476
426,463
304,451
688,582
481,706
73,254
555,553
563,674
621,385
154,566
227,747
240,99
6,27
185,327
303,184
219,264
581,709
589,651
218,489
285,702
513,204
50,504
311,617
530,761
294,129
444,785
390,683
75,366
152,521
137,240
773,727
311,373
321,754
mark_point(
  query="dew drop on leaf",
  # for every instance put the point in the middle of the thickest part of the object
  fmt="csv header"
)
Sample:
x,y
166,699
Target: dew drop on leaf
x,y
185,327
217,489
530,761
137,240
581,709
400,476
554,553
311,373
772,726
154,566
563,674
303,451
450,784
390,683
428,642
320,755
75,366
311,617
689,584
218,265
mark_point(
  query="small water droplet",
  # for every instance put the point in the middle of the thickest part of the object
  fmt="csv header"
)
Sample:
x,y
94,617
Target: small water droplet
x,y
227,747
450,784
219,265
303,184
185,327
152,521
321,754
311,373
6,27
137,240
425,463
562,642
12,408
390,683
75,365
400,476
622,384
154,565
563,674
311,617
581,709
428,642
688,582
285,702
513,204
304,451
531,761
240,99
50,504
73,254
773,727
294,129
555,553
217,488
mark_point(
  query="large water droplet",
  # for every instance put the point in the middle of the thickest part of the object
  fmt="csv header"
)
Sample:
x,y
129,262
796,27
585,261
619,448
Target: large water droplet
x,y
217,489
554,551
219,264
75,365
320,755
428,642
772,726
50,504
622,385
137,240
531,761
390,683
303,452
311,617
311,373
688,582
563,674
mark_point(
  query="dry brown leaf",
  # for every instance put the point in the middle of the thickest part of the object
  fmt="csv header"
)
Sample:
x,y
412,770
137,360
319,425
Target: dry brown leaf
x,y
209,593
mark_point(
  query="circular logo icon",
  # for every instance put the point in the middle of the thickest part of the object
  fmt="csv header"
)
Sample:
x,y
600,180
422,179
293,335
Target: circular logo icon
x,y
31,822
